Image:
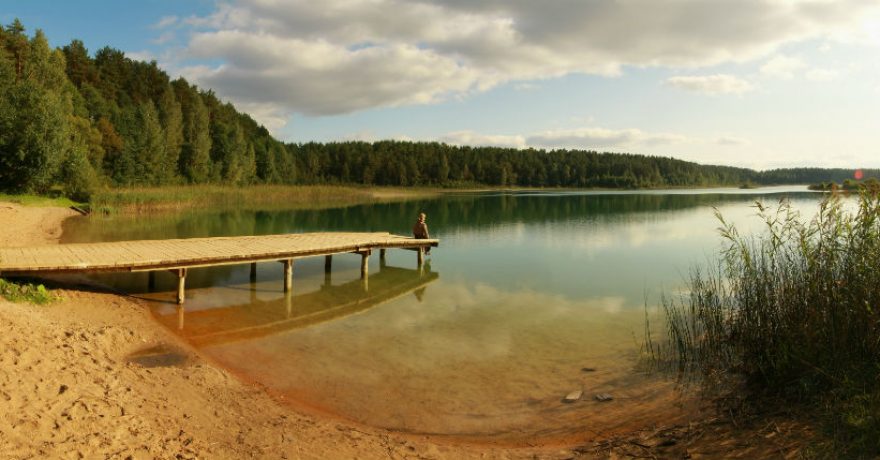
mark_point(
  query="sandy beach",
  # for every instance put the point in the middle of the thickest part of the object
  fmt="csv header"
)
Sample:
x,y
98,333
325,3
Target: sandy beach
x,y
69,388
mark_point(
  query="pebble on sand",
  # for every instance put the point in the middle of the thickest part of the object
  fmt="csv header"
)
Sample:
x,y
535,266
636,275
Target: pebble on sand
x,y
573,396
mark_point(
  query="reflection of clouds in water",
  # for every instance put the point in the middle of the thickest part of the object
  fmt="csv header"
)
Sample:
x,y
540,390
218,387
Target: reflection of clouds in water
x,y
470,348
462,324
479,322
594,234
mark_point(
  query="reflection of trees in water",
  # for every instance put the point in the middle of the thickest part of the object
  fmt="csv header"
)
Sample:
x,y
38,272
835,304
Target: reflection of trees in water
x,y
459,212
258,318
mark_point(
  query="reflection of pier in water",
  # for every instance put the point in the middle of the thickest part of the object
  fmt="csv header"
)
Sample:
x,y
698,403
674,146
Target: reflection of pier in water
x,y
260,318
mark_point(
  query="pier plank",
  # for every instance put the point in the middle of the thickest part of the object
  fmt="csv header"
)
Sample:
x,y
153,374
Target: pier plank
x,y
193,252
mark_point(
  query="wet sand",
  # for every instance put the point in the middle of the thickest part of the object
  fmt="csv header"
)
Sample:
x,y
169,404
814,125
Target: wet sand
x,y
69,390
95,376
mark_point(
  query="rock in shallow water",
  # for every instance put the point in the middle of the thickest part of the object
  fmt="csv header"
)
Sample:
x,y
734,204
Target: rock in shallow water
x,y
573,396
603,397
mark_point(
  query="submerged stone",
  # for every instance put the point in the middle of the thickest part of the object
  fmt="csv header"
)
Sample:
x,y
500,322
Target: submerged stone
x,y
573,396
159,356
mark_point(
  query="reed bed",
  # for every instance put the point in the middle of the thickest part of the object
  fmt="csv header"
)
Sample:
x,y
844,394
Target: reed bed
x,y
176,198
791,316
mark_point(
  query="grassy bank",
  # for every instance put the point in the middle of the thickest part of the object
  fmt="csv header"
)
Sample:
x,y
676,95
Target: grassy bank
x,y
791,318
37,200
176,198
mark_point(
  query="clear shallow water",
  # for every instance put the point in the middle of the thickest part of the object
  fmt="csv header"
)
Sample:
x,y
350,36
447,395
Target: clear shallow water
x,y
525,290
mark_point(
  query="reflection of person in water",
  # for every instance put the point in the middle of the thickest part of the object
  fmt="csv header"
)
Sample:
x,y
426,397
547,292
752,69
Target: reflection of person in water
x,y
420,293
420,230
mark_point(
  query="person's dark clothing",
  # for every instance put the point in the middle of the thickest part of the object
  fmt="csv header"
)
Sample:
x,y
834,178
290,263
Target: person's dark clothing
x,y
420,230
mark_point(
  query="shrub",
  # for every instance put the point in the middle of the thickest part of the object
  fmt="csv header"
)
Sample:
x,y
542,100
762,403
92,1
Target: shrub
x,y
26,292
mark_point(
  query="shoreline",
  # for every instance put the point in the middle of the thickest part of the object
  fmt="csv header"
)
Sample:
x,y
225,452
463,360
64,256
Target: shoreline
x,y
170,199
71,389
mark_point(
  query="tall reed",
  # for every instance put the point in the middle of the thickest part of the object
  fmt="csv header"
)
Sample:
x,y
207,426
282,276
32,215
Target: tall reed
x,y
792,313
175,198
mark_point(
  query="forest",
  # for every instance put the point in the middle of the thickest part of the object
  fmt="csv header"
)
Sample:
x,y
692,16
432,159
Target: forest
x,y
73,122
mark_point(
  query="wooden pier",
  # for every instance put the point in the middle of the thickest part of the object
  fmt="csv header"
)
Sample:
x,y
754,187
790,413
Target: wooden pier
x,y
180,255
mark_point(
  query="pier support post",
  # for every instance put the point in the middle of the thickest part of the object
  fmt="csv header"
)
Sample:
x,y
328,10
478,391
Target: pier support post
x,y
253,272
421,257
180,316
288,275
151,281
328,263
365,264
181,284
382,258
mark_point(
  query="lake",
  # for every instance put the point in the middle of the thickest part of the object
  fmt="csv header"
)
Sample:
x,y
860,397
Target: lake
x,y
530,296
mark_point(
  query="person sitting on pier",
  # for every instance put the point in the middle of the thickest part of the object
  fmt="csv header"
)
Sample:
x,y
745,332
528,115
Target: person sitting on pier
x,y
420,230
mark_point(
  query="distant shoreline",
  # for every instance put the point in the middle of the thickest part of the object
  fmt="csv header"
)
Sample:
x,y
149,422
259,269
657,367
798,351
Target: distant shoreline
x,y
170,199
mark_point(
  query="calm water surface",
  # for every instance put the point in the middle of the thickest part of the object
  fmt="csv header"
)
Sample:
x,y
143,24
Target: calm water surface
x,y
525,291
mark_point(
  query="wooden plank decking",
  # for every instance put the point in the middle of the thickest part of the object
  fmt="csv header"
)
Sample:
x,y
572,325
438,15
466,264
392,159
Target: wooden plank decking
x,y
181,254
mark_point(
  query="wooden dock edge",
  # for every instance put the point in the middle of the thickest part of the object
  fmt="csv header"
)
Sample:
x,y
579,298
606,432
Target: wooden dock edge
x,y
287,258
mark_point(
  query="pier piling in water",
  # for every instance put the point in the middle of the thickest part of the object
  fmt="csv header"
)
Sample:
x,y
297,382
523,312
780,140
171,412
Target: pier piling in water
x,y
181,285
288,274
180,255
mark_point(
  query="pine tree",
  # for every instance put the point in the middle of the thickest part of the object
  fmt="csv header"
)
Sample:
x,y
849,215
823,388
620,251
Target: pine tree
x,y
171,117
34,111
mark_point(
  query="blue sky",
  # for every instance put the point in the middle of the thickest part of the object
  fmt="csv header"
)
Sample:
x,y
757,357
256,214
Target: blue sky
x,y
756,83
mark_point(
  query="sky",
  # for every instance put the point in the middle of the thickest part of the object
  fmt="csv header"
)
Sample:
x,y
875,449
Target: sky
x,y
753,83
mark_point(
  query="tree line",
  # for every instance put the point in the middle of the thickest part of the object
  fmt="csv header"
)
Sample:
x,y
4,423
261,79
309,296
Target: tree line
x,y
74,121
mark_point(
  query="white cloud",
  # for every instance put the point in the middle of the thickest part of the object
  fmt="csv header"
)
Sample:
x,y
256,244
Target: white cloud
x,y
143,55
272,116
481,140
526,86
783,67
323,78
365,136
786,68
711,84
821,74
164,38
166,21
601,138
339,56
592,138
729,141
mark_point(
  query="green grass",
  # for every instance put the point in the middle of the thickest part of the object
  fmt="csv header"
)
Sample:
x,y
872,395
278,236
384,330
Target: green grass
x,y
37,200
25,292
174,198
790,317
